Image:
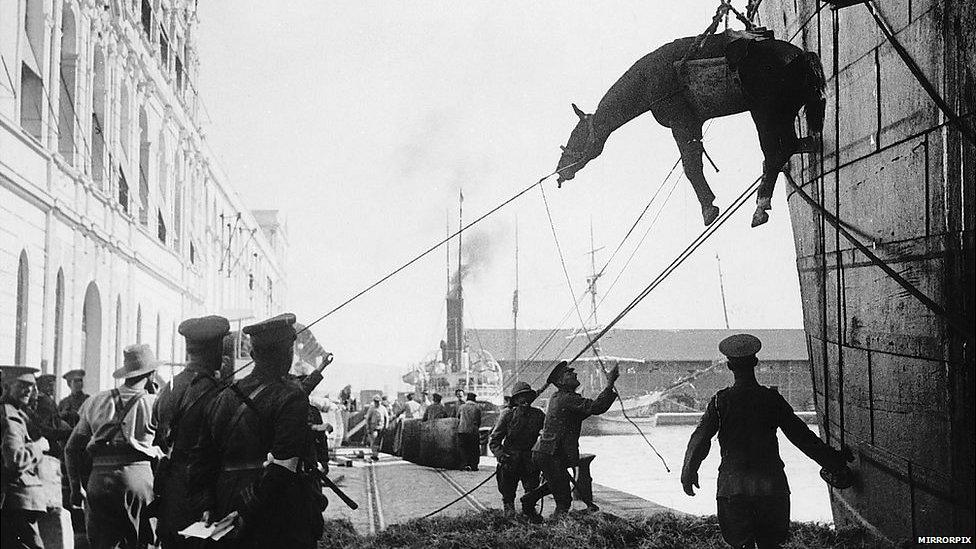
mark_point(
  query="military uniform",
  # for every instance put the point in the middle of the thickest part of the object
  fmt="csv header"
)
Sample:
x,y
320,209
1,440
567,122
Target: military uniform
x,y
117,430
511,441
558,446
70,405
23,499
181,414
753,493
249,452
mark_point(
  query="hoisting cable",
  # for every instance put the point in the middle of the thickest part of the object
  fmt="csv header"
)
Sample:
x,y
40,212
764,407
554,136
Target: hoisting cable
x,y
695,244
959,325
591,345
417,258
953,119
462,496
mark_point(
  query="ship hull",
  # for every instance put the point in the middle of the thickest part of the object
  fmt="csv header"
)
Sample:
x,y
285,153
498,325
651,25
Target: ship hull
x,y
891,380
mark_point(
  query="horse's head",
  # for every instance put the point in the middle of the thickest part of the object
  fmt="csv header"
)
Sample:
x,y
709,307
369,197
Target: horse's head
x,y
580,149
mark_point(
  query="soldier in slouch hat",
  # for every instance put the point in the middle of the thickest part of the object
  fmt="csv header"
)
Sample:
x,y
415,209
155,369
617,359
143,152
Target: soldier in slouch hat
x,y
116,428
511,441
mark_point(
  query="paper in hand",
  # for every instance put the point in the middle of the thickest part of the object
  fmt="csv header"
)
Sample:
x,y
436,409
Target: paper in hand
x,y
214,531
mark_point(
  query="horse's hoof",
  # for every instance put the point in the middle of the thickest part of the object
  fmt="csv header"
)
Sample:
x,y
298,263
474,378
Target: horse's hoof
x,y
759,218
709,214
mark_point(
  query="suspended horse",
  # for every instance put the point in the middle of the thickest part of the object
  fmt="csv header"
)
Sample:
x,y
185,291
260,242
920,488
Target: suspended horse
x,y
684,85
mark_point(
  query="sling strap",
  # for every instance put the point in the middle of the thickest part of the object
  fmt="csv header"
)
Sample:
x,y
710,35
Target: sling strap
x,y
181,411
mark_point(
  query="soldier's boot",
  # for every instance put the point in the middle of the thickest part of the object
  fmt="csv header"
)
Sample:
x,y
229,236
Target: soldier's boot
x,y
530,512
509,507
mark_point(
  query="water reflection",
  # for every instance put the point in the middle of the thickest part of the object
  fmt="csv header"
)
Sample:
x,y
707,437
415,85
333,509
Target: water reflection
x,y
627,464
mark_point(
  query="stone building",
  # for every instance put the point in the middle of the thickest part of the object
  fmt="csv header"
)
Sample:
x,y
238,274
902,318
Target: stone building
x,y
115,223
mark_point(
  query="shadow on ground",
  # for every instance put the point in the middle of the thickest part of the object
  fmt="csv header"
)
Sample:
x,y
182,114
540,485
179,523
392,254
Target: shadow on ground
x,y
494,529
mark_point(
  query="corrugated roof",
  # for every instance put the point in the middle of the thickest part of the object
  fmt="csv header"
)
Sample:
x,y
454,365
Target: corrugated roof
x,y
648,345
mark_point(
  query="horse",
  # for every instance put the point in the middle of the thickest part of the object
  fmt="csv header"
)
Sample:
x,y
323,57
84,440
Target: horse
x,y
693,79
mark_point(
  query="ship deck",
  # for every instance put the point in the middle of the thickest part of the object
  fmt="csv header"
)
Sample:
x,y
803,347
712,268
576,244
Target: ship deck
x,y
392,491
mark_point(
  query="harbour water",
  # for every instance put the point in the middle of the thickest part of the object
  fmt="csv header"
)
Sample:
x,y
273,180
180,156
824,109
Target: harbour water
x,y
626,463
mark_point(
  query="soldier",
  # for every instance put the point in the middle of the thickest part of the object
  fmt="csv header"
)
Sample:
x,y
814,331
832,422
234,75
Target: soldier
x,y
249,456
511,441
753,494
377,420
23,499
45,416
70,405
558,446
468,436
435,410
117,429
180,412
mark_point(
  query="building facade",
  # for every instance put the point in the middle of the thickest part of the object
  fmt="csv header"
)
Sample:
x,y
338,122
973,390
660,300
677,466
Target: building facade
x,y
115,224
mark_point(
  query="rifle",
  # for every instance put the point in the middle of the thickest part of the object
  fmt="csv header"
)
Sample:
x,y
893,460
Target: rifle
x,y
327,482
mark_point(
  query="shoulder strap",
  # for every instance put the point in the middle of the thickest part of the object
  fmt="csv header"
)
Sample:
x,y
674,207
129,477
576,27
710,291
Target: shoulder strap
x,y
246,402
174,425
120,417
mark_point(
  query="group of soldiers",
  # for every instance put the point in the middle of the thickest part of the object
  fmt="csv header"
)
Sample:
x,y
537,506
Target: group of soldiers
x,y
239,456
752,493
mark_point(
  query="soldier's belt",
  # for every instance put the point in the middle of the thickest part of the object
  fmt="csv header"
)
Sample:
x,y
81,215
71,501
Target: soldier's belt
x,y
242,466
109,459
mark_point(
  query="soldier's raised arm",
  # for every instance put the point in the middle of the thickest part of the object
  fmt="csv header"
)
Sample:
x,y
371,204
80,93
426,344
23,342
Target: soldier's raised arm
x,y
593,407
806,440
698,447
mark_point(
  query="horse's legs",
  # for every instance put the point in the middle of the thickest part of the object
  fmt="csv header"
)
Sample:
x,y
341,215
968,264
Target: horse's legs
x,y
689,143
777,139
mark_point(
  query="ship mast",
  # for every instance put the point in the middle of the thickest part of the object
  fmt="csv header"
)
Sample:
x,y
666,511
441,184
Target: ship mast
x,y
591,282
721,287
515,303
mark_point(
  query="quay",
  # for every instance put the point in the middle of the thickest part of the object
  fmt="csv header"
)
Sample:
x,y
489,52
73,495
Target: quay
x,y
393,490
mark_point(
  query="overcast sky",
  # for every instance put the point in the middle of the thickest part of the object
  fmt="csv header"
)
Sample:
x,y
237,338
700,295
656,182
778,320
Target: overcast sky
x,y
361,121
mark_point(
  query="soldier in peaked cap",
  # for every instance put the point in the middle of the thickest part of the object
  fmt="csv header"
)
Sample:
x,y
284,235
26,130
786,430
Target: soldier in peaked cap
x,y
558,446
45,416
180,411
753,494
249,456
511,441
23,501
117,428
70,405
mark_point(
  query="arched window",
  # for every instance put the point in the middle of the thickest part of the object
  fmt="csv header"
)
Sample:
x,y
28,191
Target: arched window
x,y
68,68
20,332
98,117
31,83
58,320
91,333
125,121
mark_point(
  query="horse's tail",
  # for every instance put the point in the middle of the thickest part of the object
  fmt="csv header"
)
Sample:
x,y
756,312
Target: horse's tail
x,y
816,102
